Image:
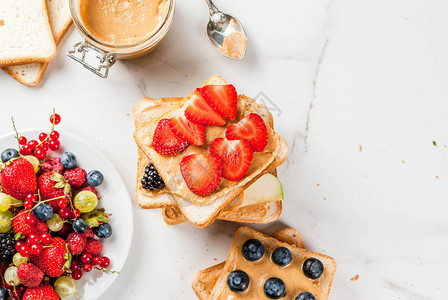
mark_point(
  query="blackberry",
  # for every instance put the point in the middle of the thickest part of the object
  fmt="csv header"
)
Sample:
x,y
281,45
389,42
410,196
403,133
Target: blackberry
x,y
7,249
151,179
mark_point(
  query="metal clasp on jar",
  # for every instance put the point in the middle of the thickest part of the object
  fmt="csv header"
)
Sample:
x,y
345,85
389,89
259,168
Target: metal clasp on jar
x,y
106,60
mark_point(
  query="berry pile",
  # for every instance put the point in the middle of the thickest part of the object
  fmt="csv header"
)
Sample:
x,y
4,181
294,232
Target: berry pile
x,y
151,179
51,227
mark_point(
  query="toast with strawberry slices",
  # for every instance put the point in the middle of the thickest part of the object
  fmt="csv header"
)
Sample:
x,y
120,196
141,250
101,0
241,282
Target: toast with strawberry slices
x,y
237,211
199,208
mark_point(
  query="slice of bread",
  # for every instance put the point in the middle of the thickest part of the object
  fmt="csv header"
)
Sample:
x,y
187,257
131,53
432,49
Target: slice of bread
x,y
206,279
201,211
25,33
259,271
60,21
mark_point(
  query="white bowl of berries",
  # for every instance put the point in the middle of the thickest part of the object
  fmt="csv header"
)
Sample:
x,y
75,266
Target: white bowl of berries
x,y
60,199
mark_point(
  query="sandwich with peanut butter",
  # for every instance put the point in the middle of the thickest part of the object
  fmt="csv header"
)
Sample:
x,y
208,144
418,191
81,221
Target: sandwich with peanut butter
x,y
211,155
262,267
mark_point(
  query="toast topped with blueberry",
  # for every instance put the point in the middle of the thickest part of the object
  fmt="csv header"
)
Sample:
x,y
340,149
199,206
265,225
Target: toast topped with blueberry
x,y
205,280
262,267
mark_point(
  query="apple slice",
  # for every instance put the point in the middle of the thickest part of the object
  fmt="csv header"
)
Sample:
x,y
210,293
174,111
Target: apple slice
x,y
266,189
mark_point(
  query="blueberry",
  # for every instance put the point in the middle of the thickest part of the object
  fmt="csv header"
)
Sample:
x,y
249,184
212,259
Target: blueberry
x,y
95,178
79,226
68,160
313,268
9,154
274,288
281,256
103,231
43,211
4,294
305,296
253,250
238,281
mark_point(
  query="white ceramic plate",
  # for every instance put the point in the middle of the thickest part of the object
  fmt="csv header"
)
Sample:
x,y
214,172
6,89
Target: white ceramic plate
x,y
115,199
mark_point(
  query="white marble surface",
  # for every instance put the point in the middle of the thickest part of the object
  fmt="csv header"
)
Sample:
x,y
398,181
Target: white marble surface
x,y
344,74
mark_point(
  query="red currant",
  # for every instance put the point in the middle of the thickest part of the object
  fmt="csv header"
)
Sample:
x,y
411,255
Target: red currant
x,y
76,274
30,219
86,258
64,213
28,204
56,120
40,153
54,145
31,197
25,150
54,135
24,251
105,262
36,249
22,140
75,265
76,214
18,245
63,203
32,144
97,260
45,238
42,136
43,146
87,267
32,239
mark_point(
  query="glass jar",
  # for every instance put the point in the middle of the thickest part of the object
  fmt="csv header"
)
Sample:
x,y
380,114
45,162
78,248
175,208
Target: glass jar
x,y
107,53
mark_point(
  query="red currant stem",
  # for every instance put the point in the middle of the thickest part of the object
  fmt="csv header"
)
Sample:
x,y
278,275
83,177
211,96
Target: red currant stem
x,y
52,129
106,270
47,246
17,133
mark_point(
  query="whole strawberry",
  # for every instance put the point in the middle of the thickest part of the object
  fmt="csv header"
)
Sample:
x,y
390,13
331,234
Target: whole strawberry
x,y
42,292
75,177
19,224
76,243
29,275
53,185
52,260
18,178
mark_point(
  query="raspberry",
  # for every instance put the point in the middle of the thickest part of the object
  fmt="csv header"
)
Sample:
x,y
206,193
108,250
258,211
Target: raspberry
x,y
53,164
75,177
89,233
91,189
94,247
30,275
76,243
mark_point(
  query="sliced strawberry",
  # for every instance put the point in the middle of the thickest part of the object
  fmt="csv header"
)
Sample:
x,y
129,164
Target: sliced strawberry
x,y
202,172
223,99
252,129
236,157
165,142
187,130
199,111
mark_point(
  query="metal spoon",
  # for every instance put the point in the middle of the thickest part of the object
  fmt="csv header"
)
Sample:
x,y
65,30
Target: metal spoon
x,y
221,26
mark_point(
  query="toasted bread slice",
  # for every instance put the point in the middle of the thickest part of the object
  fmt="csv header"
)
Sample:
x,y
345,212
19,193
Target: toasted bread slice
x,y
201,211
25,33
60,21
205,280
258,272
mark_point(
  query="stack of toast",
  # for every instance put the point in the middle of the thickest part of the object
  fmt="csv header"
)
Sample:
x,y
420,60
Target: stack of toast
x,y
227,202
30,30
213,282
